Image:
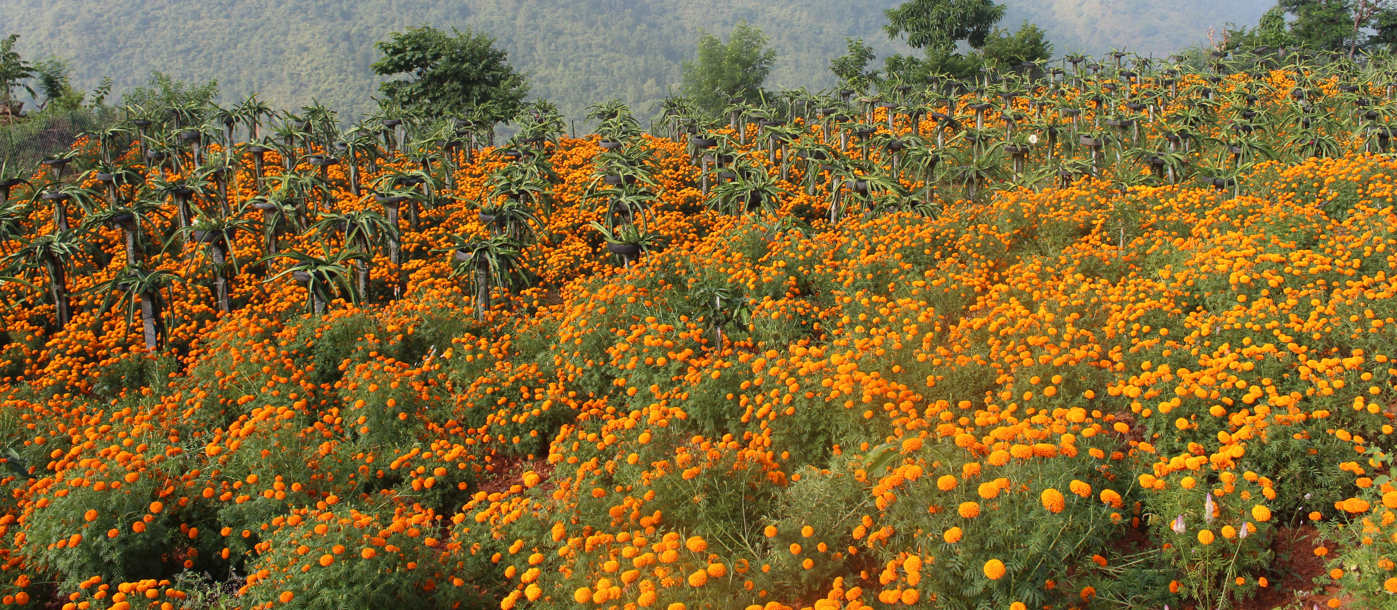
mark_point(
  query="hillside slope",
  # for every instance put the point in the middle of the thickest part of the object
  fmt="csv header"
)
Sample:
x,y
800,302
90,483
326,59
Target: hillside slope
x,y
578,52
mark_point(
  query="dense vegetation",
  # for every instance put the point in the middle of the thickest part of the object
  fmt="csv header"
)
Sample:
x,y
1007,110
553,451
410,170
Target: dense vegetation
x,y
576,53
1097,338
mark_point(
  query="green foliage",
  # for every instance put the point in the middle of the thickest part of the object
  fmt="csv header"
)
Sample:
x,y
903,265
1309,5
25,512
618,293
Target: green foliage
x,y
163,91
449,75
1269,32
13,70
721,71
1004,50
852,67
940,24
1336,25
55,84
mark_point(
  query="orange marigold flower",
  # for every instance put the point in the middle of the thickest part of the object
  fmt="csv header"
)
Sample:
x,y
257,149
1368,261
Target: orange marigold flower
x,y
1080,488
953,535
969,510
994,569
696,544
1206,537
286,597
946,482
1053,500
326,560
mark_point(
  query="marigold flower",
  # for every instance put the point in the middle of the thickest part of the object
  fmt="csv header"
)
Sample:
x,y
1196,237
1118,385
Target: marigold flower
x,y
1206,537
969,510
994,569
953,535
1080,488
1260,513
1053,500
946,482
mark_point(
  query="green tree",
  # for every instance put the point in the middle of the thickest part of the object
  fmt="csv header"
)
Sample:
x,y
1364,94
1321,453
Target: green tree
x,y
1005,50
447,74
1269,32
937,25
1326,25
53,76
733,70
13,71
852,67
163,91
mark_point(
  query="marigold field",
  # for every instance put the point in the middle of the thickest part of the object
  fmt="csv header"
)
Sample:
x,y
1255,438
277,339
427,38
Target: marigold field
x,y
724,364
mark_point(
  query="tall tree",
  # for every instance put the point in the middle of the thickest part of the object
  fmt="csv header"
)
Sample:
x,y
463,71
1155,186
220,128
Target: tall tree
x,y
852,66
449,73
937,25
13,71
1331,25
737,69
1006,50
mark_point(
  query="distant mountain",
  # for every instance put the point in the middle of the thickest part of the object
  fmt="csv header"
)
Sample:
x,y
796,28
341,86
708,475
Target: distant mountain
x,y
578,52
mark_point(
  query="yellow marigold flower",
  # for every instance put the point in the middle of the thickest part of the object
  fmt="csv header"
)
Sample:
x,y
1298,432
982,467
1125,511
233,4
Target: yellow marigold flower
x,y
1389,499
1260,513
582,595
969,510
1390,585
946,483
1053,500
994,569
698,578
647,599
1205,536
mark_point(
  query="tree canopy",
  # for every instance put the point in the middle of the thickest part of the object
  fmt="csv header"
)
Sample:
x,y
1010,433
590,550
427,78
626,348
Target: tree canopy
x,y
1337,25
937,25
721,71
444,74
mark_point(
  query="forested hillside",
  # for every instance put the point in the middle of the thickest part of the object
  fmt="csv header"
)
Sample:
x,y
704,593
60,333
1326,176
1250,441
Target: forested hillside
x,y
577,52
